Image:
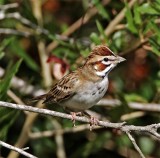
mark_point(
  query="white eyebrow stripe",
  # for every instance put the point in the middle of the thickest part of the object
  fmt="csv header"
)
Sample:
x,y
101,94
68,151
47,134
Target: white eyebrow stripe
x,y
112,57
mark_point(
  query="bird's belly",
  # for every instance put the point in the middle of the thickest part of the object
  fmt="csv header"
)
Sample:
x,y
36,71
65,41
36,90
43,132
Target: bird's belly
x,y
85,99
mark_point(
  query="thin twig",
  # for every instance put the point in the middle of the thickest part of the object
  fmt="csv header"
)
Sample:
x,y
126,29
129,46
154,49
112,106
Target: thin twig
x,y
59,140
46,74
8,6
152,129
12,95
14,32
137,44
17,100
132,115
50,133
135,144
19,17
21,151
133,105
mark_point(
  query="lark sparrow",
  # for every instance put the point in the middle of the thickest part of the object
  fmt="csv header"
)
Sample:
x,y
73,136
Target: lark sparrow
x,y
84,87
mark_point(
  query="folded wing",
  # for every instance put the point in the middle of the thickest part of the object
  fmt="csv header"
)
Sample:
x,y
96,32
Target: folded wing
x,y
64,89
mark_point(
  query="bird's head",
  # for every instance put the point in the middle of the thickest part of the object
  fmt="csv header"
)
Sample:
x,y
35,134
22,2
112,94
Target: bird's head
x,y
102,60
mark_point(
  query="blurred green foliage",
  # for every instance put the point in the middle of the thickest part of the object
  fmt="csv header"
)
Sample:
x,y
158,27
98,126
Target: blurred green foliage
x,y
136,80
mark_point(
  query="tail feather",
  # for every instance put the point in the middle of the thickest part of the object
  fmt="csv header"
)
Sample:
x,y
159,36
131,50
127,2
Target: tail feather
x,y
35,99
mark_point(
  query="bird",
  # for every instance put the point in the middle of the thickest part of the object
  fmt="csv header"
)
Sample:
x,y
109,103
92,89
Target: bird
x,y
83,88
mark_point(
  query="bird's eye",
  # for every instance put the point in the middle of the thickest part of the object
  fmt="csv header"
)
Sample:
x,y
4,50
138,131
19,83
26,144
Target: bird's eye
x,y
105,59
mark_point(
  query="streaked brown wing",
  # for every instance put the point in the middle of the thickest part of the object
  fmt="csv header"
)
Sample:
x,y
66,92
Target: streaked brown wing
x,y
64,89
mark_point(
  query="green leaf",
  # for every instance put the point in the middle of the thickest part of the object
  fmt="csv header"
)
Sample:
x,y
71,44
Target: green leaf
x,y
101,30
155,46
99,26
5,83
5,43
130,20
2,2
137,16
102,11
154,27
135,97
84,52
147,90
146,8
8,117
18,50
1,55
156,51
95,38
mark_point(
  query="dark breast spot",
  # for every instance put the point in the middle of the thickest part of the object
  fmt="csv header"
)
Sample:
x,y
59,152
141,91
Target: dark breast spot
x,y
101,90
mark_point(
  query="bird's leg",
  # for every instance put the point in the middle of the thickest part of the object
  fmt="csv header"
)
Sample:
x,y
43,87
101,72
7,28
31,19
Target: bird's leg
x,y
74,114
93,120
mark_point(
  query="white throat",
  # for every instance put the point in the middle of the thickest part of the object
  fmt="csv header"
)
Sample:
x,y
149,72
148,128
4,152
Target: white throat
x,y
106,71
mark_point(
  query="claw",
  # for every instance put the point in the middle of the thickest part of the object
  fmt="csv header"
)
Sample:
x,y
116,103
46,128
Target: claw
x,y
93,122
74,114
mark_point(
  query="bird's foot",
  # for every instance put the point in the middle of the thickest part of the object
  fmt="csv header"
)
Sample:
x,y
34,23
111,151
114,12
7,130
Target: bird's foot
x,y
93,122
74,114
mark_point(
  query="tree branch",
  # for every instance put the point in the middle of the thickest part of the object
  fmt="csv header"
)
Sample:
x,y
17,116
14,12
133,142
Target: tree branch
x,y
14,32
152,129
133,105
50,133
135,144
21,151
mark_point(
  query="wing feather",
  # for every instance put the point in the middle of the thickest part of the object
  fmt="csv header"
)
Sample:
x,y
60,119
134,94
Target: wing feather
x,y
64,89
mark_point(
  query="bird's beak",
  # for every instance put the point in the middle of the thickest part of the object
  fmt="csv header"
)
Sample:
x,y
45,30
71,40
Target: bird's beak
x,y
120,59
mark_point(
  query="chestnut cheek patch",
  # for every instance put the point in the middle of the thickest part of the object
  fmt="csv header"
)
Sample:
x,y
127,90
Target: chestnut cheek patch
x,y
99,66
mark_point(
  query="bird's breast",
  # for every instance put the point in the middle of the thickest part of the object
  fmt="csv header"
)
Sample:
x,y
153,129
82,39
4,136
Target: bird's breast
x,y
87,95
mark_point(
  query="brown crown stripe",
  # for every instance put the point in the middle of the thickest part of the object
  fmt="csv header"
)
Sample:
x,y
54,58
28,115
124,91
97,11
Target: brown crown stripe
x,y
101,50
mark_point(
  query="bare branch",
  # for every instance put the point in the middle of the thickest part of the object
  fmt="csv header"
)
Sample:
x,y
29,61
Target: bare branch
x,y
18,16
152,129
59,140
8,6
21,151
14,32
45,68
133,105
135,144
50,133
